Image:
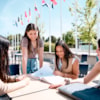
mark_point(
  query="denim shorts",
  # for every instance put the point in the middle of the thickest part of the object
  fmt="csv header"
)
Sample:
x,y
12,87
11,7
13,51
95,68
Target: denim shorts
x,y
32,65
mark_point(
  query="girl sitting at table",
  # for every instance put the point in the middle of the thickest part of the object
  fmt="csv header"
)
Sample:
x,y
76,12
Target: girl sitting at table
x,y
8,83
32,48
66,63
89,77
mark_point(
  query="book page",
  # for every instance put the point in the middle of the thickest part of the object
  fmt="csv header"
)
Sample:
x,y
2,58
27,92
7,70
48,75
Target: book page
x,y
53,79
42,72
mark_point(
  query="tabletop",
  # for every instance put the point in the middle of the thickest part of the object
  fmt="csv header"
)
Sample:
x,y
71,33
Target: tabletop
x,y
39,91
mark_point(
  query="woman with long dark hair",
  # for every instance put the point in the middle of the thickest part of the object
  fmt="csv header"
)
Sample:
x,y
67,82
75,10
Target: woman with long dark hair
x,y
32,49
6,84
67,65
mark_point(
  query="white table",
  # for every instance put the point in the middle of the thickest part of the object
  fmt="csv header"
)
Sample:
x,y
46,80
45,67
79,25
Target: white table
x,y
37,90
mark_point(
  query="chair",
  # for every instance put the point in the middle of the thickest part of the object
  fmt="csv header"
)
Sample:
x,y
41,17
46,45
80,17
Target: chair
x,y
84,58
83,69
14,69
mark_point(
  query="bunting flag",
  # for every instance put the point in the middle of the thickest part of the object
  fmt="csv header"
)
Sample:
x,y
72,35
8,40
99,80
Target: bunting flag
x,y
29,12
64,0
25,14
43,2
36,8
45,5
21,22
54,2
15,24
52,5
29,15
18,19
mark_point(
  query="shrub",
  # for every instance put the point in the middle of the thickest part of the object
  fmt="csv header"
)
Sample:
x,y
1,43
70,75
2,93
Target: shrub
x,y
46,47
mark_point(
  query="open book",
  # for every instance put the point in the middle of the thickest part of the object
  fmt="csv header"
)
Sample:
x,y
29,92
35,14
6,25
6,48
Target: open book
x,y
46,74
79,91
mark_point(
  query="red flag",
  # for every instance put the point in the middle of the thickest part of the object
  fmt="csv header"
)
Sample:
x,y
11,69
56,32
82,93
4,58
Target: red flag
x,y
36,8
21,22
43,2
25,14
54,2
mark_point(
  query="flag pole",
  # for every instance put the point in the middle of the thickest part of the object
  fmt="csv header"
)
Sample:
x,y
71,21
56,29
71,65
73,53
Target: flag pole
x,y
61,18
76,33
50,28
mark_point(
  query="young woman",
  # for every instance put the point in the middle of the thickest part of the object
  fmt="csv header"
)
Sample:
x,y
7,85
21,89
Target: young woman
x,y
32,46
89,77
96,69
67,65
5,80
93,73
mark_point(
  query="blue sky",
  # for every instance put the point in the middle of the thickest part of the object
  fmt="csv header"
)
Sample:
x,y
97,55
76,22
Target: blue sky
x,y
10,10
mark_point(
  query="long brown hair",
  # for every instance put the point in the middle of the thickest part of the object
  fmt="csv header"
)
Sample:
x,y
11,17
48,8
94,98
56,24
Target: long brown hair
x,y
67,53
29,27
4,45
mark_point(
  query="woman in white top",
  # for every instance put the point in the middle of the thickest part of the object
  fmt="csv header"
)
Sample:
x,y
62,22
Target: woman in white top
x,y
6,84
66,63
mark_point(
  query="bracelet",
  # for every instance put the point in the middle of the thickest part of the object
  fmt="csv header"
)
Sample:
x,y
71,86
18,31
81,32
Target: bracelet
x,y
15,79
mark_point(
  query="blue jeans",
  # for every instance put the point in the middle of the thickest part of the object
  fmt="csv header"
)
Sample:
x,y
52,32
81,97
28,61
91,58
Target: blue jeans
x,y
32,65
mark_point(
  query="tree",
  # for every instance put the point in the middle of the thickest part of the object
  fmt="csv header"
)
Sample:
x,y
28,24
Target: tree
x,y
53,39
87,19
69,38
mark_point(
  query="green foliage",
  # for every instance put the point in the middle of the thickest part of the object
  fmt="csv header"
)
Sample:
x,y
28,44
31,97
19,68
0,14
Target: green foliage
x,y
86,21
69,39
53,39
46,47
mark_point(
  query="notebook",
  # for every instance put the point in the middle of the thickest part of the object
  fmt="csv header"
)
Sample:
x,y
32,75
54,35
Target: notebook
x,y
79,91
5,97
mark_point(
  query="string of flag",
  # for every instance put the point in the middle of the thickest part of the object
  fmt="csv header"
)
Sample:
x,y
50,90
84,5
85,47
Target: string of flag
x,y
28,15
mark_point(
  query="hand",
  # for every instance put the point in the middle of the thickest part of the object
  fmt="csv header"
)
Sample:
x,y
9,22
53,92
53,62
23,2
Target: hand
x,y
54,86
21,77
25,81
58,73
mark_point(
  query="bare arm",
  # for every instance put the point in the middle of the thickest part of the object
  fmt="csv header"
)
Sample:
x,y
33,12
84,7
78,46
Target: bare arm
x,y
75,70
57,72
41,51
24,59
9,87
93,73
